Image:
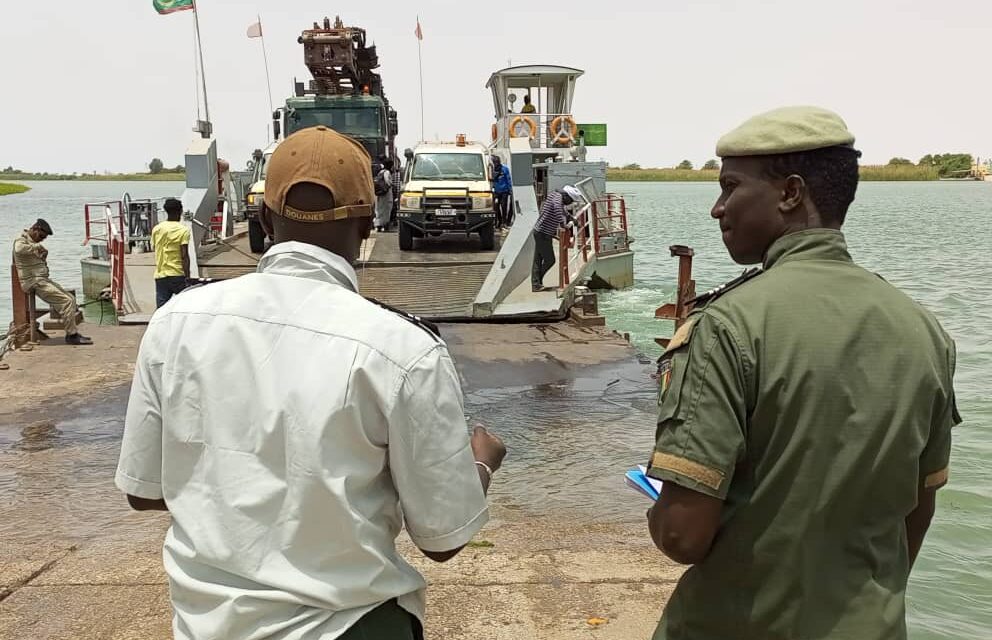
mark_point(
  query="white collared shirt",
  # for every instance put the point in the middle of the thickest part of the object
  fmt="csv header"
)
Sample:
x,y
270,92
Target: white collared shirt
x,y
292,427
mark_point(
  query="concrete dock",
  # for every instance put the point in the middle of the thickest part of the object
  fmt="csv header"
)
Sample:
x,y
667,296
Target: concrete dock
x,y
567,554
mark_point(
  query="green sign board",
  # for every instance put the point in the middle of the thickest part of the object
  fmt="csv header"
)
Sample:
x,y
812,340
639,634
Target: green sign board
x,y
595,134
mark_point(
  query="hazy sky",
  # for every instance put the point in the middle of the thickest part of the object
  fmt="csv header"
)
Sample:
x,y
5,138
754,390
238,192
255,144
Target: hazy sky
x,y
108,85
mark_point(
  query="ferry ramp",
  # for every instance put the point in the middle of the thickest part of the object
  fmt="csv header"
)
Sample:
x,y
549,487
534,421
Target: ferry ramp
x,y
439,280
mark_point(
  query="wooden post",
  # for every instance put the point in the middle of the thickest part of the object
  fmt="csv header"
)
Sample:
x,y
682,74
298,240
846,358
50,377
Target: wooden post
x,y
20,328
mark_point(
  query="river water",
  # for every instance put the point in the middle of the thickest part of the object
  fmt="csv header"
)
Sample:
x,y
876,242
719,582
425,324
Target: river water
x,y
933,240
930,239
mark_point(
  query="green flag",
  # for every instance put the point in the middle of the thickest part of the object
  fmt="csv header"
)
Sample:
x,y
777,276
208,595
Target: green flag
x,y
171,6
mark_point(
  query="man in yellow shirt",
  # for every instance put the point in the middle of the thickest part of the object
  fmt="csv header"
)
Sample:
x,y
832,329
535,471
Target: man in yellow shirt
x,y
171,242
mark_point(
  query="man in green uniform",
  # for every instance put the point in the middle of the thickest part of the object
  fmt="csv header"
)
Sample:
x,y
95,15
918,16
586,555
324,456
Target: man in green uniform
x,y
805,411
31,260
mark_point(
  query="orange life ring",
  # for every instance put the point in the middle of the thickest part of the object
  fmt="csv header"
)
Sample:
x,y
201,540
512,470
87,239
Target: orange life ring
x,y
525,120
565,128
494,132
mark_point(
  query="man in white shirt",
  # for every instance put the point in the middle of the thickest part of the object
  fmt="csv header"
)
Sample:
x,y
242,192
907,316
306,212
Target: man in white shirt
x,y
291,427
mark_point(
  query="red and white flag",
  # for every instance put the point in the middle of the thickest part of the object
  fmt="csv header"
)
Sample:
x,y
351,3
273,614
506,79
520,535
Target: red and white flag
x,y
255,30
418,32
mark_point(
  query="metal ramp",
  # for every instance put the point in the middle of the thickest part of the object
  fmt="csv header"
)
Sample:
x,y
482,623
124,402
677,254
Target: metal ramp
x,y
439,280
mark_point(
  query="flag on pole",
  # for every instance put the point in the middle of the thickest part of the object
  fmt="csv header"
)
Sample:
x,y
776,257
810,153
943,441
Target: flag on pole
x,y
171,6
418,32
255,30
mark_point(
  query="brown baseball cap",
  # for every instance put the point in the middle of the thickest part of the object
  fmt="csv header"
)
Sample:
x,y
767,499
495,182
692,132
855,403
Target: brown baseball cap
x,y
324,157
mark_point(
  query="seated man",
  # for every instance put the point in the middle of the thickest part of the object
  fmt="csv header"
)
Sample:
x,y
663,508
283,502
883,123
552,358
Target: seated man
x,y
31,260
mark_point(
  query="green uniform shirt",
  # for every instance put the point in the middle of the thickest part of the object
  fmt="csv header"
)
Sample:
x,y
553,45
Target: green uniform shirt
x,y
812,399
31,266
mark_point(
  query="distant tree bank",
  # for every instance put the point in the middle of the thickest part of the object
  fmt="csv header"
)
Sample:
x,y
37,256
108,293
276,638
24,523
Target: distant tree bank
x,y
102,177
869,173
10,189
929,167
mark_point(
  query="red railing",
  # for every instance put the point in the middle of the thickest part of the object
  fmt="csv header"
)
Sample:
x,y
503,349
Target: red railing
x,y
600,229
610,230
578,238
115,249
100,219
107,226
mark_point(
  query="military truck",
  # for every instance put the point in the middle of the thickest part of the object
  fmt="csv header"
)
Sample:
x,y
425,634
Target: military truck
x,y
447,190
345,93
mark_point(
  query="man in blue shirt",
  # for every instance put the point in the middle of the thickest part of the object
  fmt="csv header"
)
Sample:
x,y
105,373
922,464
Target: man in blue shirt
x,y
502,193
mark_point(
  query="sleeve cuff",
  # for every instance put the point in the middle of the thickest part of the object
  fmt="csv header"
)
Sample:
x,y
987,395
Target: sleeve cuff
x,y
138,488
689,474
454,540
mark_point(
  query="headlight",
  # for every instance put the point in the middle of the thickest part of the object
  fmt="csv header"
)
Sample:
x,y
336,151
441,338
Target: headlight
x,y
254,198
410,202
482,202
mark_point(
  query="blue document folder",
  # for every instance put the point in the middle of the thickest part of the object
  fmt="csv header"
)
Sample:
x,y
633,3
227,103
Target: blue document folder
x,y
638,480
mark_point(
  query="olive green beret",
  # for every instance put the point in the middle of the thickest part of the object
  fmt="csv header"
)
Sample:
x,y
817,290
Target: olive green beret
x,y
786,130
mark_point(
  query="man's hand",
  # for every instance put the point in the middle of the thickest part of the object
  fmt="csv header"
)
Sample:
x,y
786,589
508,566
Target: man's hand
x,y
487,448
43,252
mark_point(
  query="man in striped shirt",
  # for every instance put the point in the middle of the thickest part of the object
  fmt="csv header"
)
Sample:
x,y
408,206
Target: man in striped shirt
x,y
553,216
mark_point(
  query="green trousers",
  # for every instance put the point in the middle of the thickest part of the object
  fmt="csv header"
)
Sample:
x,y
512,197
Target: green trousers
x,y
388,621
60,300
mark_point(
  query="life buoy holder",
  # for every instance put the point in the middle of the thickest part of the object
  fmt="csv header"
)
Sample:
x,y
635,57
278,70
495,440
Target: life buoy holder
x,y
516,122
564,129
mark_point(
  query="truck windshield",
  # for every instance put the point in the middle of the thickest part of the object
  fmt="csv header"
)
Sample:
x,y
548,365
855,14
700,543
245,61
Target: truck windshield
x,y
448,166
360,122
263,168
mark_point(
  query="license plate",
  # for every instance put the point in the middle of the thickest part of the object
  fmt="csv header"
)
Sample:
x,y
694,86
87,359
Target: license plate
x,y
444,212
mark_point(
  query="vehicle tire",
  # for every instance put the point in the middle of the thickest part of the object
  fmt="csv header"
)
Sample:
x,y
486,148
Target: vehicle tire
x,y
406,237
487,235
256,236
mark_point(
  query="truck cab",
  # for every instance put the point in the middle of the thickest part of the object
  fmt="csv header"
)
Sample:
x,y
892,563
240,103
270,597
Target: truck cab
x,y
447,190
254,197
366,118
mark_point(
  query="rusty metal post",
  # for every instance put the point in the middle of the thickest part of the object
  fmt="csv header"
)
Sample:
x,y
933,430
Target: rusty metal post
x,y
687,286
679,310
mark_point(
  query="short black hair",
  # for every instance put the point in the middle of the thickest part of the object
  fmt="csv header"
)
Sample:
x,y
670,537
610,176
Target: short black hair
x,y
173,206
42,225
831,176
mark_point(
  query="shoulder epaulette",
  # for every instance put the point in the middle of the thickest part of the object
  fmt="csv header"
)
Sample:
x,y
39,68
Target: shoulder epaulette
x,y
716,292
426,325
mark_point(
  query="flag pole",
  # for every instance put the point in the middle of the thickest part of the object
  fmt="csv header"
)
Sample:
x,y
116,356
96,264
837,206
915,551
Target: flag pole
x,y
265,57
420,59
203,71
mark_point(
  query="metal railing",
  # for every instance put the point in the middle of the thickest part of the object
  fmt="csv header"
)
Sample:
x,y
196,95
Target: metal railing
x,y
96,223
545,130
108,227
599,229
115,248
575,247
610,230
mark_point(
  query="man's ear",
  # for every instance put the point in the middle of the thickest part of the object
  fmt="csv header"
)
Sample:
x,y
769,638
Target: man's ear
x,y
265,219
793,193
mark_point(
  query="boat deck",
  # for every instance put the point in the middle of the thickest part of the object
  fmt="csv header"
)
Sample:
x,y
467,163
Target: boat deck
x,y
438,280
